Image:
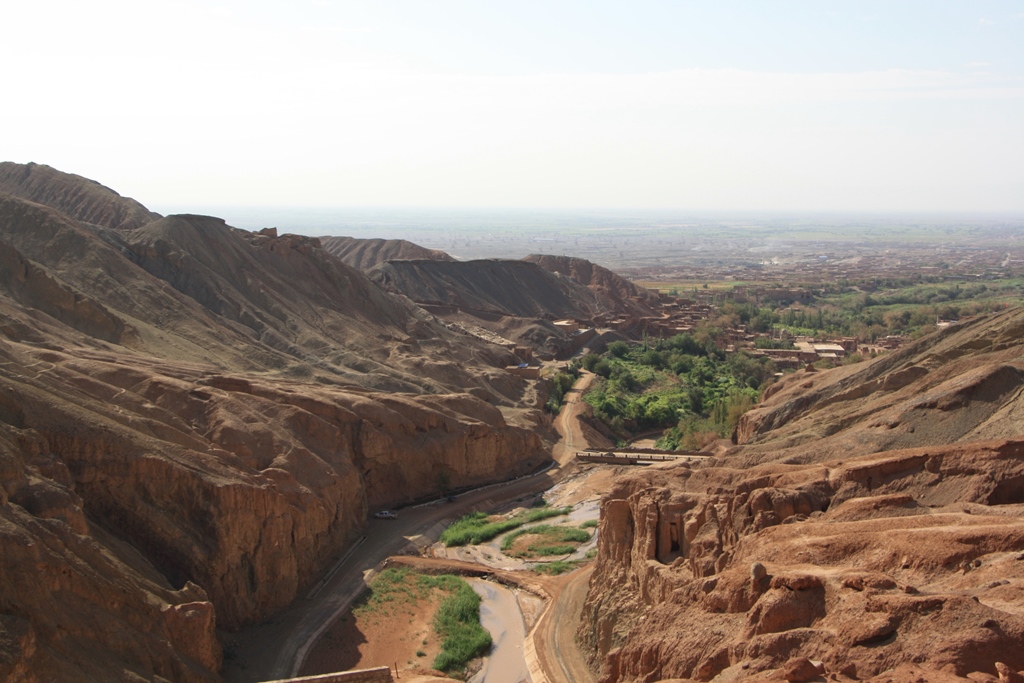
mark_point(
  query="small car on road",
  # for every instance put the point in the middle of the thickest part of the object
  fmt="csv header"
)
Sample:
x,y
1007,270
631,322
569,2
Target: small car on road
x,y
386,514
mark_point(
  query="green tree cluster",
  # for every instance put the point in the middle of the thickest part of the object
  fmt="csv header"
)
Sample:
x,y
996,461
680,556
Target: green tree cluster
x,y
679,383
561,383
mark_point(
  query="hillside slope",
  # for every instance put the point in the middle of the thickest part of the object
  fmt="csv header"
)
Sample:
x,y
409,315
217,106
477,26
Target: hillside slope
x,y
872,519
960,384
617,293
194,422
74,196
364,254
517,300
494,286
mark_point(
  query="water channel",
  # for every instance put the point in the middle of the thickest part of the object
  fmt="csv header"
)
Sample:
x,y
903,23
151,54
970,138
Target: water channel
x,y
502,616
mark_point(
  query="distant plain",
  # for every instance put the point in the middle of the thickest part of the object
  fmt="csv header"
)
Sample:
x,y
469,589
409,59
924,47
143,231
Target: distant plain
x,y
652,245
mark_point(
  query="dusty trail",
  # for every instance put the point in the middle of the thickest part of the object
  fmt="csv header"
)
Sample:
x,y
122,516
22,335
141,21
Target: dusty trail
x,y
554,639
567,424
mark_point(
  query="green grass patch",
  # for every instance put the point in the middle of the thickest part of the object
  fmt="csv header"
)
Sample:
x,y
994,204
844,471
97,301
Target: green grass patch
x,y
458,623
553,541
538,514
457,620
476,528
390,591
550,550
589,524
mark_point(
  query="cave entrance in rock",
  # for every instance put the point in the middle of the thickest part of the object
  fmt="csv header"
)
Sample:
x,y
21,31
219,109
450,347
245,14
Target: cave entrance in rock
x,y
673,534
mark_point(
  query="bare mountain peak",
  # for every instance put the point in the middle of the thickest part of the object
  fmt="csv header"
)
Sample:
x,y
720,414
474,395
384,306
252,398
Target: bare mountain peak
x,y
77,197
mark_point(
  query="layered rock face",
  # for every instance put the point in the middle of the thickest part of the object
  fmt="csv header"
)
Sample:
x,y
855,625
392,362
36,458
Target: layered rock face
x,y
194,421
364,254
825,538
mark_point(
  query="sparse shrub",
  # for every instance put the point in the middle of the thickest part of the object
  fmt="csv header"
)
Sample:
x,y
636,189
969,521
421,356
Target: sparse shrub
x,y
556,567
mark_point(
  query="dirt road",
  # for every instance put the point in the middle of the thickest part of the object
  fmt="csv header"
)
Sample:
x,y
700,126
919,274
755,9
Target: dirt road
x,y
567,422
554,638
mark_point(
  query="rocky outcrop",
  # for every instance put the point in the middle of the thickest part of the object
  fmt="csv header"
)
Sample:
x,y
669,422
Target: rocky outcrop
x,y
71,608
960,384
518,300
32,287
489,286
874,562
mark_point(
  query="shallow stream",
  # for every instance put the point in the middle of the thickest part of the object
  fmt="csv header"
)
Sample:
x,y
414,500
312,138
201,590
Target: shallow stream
x,y
501,615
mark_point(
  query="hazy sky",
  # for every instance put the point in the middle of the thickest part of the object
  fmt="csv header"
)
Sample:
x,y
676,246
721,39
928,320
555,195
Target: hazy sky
x,y
783,105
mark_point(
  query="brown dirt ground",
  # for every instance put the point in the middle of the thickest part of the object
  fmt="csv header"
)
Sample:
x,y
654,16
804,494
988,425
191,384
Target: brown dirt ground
x,y
363,640
587,481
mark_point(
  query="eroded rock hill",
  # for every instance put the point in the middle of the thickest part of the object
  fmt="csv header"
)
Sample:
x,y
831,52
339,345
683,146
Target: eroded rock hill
x,y
194,421
610,288
517,300
196,289
364,254
961,384
831,535
492,286
77,197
